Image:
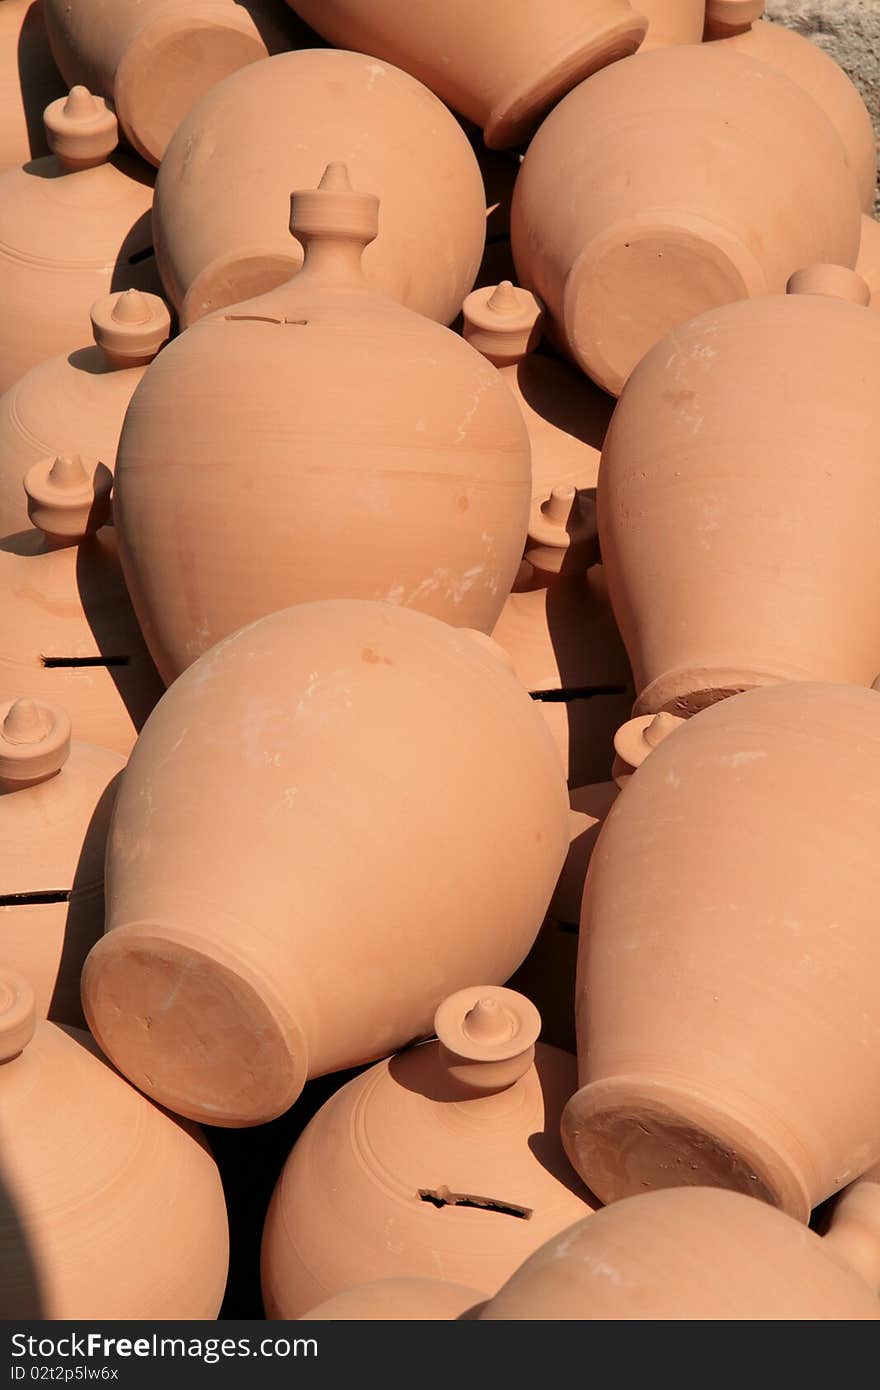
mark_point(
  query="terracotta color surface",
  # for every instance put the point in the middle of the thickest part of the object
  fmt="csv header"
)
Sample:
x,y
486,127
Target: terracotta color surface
x,y
775,969
78,400
398,1300
154,59
279,124
740,545
672,22
538,52
29,80
67,631
118,1205
364,451
70,225
444,1159
868,264
55,804
698,1255
648,233
854,1234
817,73
369,747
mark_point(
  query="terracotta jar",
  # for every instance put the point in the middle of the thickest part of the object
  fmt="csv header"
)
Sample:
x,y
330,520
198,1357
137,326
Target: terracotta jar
x,y
29,80
694,1254
740,545
775,970
868,264
444,1158
73,226
642,238
119,1205
399,1300
672,22
79,398
279,124
365,451
817,73
55,804
369,748
446,43
68,634
154,59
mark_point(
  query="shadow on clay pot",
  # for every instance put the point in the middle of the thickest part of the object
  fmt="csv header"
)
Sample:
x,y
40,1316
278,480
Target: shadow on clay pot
x,y
21,1299
32,37
84,923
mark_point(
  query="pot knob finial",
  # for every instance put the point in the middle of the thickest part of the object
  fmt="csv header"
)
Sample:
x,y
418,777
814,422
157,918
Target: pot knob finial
x,y
18,1014
34,741
334,213
637,738
833,281
487,1036
68,498
81,130
130,326
726,17
563,530
502,322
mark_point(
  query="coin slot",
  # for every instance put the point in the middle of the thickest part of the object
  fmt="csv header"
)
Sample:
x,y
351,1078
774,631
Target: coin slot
x,y
442,1197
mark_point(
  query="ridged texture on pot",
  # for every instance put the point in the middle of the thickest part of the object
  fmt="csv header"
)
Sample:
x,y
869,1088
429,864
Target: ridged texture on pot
x,y
278,124
154,59
303,794
672,22
816,71
347,1207
364,451
29,80
731,899
724,178
119,1206
682,1256
52,840
398,1300
741,545
71,602
501,63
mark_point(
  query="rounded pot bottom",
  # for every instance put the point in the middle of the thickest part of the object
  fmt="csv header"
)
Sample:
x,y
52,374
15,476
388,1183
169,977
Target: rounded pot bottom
x,y
194,1031
231,279
632,1134
688,690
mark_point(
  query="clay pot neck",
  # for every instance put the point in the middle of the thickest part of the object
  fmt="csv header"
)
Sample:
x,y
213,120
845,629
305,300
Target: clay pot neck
x,y
334,223
563,535
130,327
34,743
81,131
486,1038
503,323
68,498
18,1016
724,18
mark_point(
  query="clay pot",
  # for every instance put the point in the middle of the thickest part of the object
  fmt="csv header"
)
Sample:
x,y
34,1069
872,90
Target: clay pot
x,y
73,226
29,80
716,524
672,22
278,125
80,398
369,748
817,73
868,264
154,59
120,1206
690,1255
365,451
398,1300
446,1157
782,1099
641,239
68,634
55,804
446,44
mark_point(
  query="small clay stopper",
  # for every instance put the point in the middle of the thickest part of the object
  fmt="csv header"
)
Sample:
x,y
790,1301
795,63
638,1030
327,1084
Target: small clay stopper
x,y
335,214
726,17
502,322
18,1015
835,281
34,742
68,498
563,531
81,130
637,738
130,327
487,1036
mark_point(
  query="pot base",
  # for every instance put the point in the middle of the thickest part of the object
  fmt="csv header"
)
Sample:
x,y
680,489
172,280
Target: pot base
x,y
235,278
191,1030
170,65
686,692
642,278
632,1134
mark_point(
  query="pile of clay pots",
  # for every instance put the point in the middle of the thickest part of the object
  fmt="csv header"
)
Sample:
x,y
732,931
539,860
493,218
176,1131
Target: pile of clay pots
x,y
439,613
